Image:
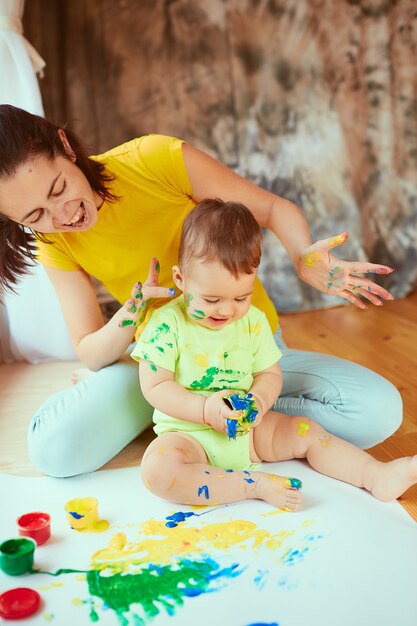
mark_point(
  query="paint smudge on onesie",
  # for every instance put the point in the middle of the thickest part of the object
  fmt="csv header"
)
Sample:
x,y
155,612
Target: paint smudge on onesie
x,y
207,380
152,365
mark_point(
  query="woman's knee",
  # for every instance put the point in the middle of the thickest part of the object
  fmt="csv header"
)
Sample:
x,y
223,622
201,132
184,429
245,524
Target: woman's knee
x,y
81,428
383,408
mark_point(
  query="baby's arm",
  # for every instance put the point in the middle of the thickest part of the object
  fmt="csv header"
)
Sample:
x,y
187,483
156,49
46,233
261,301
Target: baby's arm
x,y
266,388
166,395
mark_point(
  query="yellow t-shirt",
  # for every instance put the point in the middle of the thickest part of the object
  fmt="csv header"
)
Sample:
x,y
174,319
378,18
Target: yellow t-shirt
x,y
155,195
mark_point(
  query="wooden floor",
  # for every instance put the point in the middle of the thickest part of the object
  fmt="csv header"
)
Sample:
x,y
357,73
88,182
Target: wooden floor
x,y
383,339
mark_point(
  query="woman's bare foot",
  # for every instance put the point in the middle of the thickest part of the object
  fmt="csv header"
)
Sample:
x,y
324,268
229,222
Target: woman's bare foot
x,y
80,374
280,491
390,480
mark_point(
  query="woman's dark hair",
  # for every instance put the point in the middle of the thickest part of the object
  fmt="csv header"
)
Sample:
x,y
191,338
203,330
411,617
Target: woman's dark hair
x,y
22,137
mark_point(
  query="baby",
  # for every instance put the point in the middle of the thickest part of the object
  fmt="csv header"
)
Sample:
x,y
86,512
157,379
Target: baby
x,y
211,343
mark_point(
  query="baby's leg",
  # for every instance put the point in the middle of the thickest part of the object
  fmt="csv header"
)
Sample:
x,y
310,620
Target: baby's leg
x,y
280,437
175,467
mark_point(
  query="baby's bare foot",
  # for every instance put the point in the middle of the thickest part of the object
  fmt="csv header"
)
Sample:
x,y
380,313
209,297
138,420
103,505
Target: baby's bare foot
x,y
80,374
280,491
392,479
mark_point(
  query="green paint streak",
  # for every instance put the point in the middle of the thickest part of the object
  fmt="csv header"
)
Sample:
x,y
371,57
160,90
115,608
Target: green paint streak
x,y
188,300
160,349
128,323
162,329
156,586
200,313
133,308
60,571
142,311
157,267
196,317
93,615
146,358
206,380
169,345
209,376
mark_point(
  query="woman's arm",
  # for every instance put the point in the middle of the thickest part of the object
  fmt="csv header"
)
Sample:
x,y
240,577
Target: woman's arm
x,y
98,344
314,263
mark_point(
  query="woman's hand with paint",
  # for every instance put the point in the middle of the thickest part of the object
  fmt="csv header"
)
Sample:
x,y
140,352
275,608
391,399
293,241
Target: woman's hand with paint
x,y
320,269
141,294
216,412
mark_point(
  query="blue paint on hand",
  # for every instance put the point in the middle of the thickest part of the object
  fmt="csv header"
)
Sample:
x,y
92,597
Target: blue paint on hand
x,y
246,404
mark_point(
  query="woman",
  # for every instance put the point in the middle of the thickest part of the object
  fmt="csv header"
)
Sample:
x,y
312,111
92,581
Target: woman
x,y
112,215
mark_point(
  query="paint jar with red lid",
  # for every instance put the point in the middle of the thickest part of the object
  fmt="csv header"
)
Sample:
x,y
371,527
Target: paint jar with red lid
x,y
36,525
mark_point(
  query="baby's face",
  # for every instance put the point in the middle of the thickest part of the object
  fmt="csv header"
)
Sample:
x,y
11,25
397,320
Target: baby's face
x,y
213,296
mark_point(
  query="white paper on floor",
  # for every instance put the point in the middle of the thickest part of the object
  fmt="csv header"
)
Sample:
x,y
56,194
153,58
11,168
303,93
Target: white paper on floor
x,y
344,560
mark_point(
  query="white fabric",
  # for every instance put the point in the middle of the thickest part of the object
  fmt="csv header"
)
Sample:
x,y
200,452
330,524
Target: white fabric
x,y
19,61
37,330
36,324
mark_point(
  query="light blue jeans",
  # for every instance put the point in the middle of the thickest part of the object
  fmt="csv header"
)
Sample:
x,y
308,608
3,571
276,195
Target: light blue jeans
x,y
81,428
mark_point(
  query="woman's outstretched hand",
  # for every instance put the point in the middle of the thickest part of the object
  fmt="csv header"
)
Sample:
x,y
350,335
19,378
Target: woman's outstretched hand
x,y
320,269
135,307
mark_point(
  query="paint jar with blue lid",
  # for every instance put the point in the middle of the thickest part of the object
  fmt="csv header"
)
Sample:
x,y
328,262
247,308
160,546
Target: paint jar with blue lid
x,y
16,556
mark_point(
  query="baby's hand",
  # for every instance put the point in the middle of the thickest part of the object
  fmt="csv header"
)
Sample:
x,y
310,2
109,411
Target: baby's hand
x,y
136,306
250,414
216,412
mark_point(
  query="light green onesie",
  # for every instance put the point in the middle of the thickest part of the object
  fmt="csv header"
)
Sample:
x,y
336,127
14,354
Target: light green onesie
x,y
203,361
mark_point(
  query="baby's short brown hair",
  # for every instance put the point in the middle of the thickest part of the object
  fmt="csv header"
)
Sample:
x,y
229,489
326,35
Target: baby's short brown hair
x,y
225,232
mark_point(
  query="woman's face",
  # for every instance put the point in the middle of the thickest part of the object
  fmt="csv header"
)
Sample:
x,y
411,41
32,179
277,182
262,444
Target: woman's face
x,y
49,196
